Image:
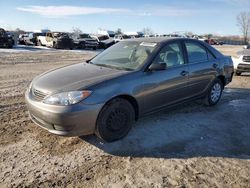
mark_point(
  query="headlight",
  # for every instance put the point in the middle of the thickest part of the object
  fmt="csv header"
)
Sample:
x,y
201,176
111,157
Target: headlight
x,y
67,98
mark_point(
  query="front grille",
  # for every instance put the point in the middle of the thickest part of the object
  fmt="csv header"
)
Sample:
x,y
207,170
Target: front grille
x,y
37,95
246,58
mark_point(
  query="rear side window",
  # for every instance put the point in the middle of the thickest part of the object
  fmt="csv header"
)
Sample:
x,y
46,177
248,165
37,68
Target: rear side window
x,y
196,53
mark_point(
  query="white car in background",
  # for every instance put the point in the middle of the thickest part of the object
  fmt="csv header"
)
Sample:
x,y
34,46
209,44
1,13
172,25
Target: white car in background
x,y
118,38
242,63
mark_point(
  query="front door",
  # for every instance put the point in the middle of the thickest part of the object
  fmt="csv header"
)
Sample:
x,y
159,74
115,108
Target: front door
x,y
165,87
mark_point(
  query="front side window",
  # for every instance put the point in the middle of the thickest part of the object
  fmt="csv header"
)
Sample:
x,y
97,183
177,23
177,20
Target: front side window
x,y
196,53
171,54
127,55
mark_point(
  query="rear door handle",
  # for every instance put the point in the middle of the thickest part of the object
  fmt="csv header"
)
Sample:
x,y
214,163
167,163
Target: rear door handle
x,y
184,73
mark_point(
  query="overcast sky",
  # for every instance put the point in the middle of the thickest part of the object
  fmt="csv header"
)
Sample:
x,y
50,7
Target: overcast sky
x,y
163,16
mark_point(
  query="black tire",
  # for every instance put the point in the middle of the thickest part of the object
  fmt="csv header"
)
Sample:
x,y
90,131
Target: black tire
x,y
237,73
214,93
115,120
94,48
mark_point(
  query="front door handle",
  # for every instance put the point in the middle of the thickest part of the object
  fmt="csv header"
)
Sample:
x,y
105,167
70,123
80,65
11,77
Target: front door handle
x,y
184,73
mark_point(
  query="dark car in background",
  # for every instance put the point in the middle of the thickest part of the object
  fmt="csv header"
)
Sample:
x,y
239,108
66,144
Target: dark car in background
x,y
133,78
6,39
84,41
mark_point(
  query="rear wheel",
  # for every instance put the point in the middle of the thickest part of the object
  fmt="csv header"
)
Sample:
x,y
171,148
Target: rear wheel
x,y
214,93
115,120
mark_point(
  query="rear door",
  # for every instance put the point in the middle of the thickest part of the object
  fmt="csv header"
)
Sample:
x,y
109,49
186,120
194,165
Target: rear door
x,y
164,87
202,67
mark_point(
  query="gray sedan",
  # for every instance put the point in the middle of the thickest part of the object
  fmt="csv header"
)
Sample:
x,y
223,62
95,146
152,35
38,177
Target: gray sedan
x,y
133,78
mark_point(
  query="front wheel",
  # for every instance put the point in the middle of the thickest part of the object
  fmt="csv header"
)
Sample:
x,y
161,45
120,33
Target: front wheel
x,y
115,120
214,93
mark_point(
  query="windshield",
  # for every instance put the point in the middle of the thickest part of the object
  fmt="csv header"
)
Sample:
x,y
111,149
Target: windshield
x,y
127,55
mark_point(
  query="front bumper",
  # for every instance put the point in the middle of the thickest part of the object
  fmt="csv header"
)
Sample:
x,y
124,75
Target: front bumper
x,y
243,67
74,120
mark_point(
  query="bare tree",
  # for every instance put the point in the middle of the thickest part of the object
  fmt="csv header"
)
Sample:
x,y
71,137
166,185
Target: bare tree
x,y
118,31
243,21
147,31
19,31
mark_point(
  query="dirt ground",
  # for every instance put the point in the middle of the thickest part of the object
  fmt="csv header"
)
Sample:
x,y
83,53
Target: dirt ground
x,y
188,146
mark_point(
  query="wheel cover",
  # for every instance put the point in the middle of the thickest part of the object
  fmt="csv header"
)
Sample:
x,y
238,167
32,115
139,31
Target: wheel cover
x,y
216,92
117,120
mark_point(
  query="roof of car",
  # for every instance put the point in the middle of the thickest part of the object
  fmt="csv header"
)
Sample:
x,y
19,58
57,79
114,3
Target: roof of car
x,y
156,39
166,39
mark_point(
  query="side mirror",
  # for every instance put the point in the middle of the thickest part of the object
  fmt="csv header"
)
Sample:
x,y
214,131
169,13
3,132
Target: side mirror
x,y
158,66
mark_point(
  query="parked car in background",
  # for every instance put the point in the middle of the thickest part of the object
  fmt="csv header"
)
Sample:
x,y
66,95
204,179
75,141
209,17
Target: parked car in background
x,y
133,78
247,47
106,33
57,40
6,40
214,42
21,39
118,38
104,41
198,37
242,63
83,41
31,38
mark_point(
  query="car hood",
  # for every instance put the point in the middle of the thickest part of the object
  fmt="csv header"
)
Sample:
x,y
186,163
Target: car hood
x,y
73,77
